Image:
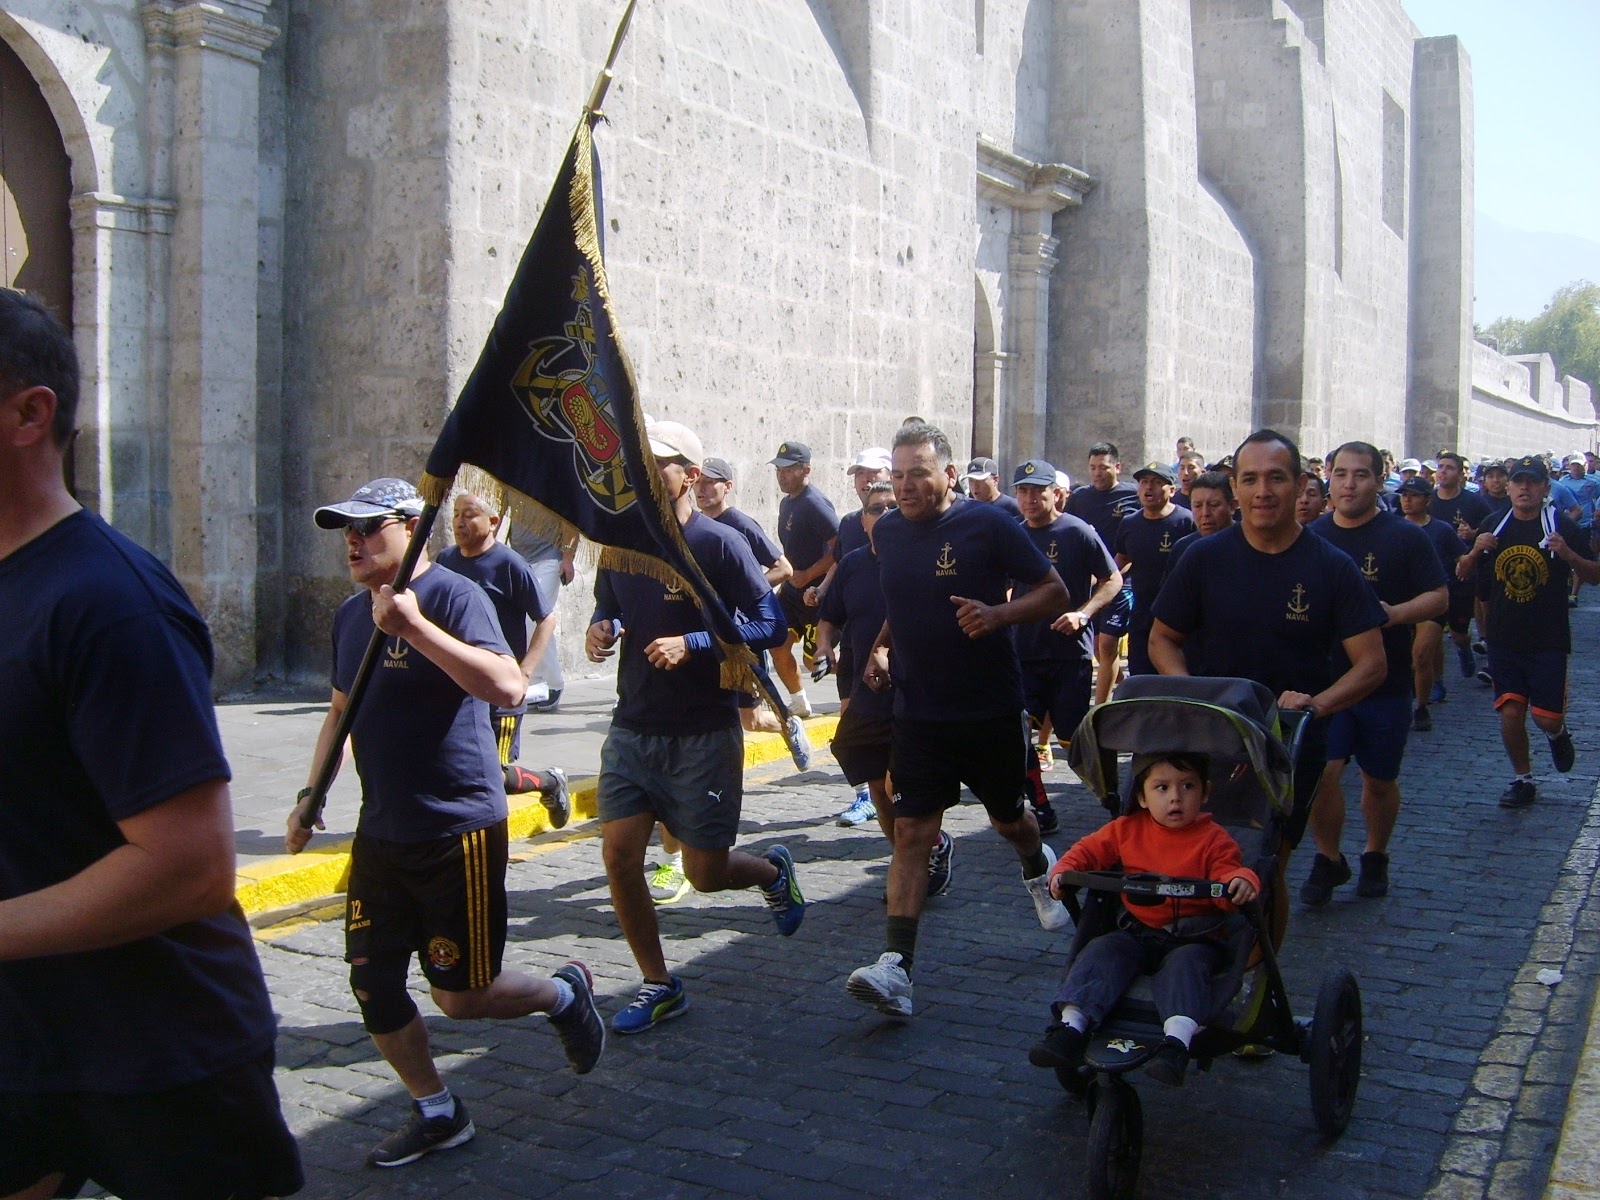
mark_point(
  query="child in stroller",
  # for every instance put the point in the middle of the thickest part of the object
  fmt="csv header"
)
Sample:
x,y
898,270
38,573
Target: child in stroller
x,y
1180,941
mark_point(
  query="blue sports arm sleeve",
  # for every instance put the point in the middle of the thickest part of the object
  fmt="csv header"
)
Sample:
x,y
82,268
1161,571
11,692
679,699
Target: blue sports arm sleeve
x,y
765,632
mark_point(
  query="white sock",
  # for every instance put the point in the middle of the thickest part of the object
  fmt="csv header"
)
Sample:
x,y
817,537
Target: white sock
x,y
441,1105
1180,1029
863,793
1072,1015
676,860
563,996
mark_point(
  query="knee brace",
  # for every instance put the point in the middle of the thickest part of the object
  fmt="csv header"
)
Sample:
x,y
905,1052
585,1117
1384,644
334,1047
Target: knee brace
x,y
387,1006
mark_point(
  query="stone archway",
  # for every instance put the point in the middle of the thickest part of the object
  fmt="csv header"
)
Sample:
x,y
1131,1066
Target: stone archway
x,y
987,368
35,190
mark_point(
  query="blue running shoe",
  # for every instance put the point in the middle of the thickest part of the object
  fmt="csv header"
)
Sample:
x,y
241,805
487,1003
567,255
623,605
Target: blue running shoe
x,y
1468,661
799,744
655,1003
1437,695
784,901
861,810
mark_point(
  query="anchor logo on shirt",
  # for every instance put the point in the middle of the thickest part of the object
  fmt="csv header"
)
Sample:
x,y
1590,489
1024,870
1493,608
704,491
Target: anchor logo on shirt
x,y
394,654
1166,543
946,561
1051,553
674,592
1298,608
1369,567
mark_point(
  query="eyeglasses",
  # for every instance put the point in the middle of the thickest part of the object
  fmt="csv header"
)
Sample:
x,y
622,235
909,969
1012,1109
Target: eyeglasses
x,y
878,510
365,527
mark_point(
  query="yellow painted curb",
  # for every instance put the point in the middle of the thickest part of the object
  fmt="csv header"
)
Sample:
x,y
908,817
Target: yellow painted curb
x,y
323,870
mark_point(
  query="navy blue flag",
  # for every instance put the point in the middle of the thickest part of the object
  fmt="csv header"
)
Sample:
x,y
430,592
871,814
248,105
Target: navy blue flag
x,y
549,426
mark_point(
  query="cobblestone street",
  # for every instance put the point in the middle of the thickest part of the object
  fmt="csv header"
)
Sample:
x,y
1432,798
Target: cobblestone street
x,y
777,1084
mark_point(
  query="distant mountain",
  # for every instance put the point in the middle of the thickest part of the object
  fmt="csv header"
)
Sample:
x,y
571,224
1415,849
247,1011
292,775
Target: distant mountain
x,y
1516,270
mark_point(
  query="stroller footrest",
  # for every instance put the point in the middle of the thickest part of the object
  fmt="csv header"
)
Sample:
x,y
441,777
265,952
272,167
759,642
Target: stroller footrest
x,y
1120,1053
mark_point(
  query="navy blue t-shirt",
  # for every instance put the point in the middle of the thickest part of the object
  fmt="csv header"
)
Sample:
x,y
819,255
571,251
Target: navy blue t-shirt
x,y
689,699
1464,508
851,535
106,712
1447,544
806,527
1181,499
1148,545
763,547
506,577
1080,558
1104,509
1274,618
1007,504
1398,561
971,550
854,602
424,749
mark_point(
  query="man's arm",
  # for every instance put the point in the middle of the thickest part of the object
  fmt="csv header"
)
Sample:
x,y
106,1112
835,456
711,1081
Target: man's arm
x,y
298,834
1166,649
543,632
1368,669
493,678
1044,599
800,580
780,570
1586,569
1424,606
177,866
1105,591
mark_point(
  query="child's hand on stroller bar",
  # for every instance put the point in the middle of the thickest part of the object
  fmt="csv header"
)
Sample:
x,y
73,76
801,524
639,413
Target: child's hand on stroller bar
x,y
1241,890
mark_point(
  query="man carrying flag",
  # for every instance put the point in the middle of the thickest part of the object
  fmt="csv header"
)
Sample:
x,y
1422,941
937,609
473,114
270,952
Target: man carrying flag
x,y
675,752
428,864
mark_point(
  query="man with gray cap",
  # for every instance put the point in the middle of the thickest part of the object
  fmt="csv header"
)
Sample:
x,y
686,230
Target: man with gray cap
x,y
807,529
428,863
675,752
983,483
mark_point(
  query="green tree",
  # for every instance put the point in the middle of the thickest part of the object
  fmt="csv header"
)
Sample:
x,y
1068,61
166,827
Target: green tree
x,y
1568,330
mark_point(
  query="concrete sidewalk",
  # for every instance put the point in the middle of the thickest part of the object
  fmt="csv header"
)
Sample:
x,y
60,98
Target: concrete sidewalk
x,y
269,744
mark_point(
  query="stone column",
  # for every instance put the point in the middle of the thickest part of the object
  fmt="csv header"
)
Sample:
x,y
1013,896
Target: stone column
x,y
1033,257
212,397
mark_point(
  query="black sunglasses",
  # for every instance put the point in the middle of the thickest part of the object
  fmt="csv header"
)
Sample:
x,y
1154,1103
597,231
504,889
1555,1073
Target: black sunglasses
x,y
365,527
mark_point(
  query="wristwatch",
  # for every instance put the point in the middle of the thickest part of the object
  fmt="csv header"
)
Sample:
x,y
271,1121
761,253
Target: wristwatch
x,y
300,796
1083,617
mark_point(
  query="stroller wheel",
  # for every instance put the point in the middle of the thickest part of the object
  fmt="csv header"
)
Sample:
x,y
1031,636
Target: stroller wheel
x,y
1335,1052
1116,1142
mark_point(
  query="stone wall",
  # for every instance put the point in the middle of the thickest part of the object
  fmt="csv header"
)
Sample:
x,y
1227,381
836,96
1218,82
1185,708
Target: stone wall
x,y
1520,407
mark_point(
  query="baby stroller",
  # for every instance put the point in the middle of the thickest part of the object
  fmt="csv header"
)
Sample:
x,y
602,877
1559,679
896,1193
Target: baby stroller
x,y
1252,747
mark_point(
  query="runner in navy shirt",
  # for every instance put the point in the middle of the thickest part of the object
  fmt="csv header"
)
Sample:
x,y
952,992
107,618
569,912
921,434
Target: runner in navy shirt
x,y
428,864
136,1035
1058,655
1270,602
852,615
1144,545
675,752
1103,502
983,485
807,527
1398,563
946,566
871,466
1427,647
1463,511
509,582
1526,556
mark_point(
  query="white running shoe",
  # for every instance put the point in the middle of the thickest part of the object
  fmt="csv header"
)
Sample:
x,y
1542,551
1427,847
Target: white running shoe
x,y
884,985
1053,914
799,705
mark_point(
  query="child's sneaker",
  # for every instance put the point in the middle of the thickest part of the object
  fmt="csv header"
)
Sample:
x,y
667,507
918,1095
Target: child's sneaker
x,y
1061,1047
1169,1063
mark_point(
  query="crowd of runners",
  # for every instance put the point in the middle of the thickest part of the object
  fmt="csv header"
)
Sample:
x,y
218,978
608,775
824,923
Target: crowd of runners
x,y
967,625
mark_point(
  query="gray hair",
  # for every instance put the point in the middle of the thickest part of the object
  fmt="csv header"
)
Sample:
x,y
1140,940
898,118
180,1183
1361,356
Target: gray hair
x,y
923,434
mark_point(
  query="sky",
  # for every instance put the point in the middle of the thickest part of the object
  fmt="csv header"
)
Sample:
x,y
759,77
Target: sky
x,y
1536,101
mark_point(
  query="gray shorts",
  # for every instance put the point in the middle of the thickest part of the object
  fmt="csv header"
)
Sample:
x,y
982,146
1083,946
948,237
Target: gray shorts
x,y
693,783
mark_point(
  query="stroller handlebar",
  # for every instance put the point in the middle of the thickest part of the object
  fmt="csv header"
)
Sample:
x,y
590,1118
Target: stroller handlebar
x,y
1146,888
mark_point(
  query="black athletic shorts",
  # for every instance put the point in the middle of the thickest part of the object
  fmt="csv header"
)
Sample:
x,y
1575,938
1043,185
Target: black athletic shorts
x,y
1113,619
800,617
1058,690
930,760
1537,678
861,746
220,1137
844,671
443,900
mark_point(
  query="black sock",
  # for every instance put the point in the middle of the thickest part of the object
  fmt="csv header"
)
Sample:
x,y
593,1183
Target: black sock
x,y
1036,864
903,939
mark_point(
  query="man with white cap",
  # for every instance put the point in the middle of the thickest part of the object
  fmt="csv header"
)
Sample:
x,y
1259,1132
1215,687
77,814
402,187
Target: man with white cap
x,y
983,483
428,863
675,752
1574,495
